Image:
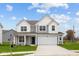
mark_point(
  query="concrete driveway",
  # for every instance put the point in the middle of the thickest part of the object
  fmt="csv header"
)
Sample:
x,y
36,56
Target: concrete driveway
x,y
52,50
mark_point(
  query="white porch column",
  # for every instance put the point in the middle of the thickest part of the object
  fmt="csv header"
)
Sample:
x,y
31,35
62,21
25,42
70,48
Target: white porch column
x,y
14,42
30,40
24,40
17,41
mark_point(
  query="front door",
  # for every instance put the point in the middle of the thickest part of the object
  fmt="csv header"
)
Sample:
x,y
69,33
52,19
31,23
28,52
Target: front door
x,y
33,40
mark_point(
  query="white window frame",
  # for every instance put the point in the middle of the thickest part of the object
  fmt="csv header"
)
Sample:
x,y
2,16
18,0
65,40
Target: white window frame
x,y
21,38
23,28
42,28
53,27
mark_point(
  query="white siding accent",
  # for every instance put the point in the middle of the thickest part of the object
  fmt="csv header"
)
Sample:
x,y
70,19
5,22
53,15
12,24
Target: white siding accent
x,y
23,23
24,40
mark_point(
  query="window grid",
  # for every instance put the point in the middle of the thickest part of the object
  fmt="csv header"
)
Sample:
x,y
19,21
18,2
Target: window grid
x,y
53,28
21,38
42,28
23,28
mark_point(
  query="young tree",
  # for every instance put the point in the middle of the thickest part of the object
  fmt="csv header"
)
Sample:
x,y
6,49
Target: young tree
x,y
70,35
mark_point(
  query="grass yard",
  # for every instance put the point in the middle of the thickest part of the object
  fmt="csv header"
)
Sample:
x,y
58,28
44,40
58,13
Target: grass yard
x,y
7,48
71,45
18,54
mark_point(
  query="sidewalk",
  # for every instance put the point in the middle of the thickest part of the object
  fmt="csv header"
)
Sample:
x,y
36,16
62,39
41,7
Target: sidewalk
x,y
9,53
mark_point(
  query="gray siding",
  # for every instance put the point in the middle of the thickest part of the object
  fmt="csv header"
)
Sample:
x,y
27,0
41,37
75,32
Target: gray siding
x,y
6,35
33,28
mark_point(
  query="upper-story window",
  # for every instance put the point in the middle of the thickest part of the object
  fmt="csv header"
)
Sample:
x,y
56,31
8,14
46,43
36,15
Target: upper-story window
x,y
53,28
23,28
42,28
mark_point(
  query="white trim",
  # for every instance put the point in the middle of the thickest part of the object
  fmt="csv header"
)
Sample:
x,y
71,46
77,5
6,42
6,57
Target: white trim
x,y
24,40
14,42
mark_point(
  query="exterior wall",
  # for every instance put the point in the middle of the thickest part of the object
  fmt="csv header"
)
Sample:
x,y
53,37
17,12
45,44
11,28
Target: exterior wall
x,y
60,41
23,23
6,36
50,28
48,22
33,28
0,35
43,22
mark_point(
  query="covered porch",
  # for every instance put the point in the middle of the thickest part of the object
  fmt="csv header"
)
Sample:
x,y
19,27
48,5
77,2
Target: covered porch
x,y
25,39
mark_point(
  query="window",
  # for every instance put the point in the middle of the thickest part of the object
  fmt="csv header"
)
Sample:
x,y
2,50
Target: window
x,y
60,38
42,28
21,38
53,28
23,28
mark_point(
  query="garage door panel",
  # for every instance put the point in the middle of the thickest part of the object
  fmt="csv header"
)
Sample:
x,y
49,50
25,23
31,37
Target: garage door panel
x,y
47,40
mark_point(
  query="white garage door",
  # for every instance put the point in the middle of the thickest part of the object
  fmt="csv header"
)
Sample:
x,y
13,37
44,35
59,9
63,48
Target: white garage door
x,y
47,40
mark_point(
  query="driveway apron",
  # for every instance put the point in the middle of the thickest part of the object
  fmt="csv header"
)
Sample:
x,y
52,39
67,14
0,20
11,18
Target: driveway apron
x,y
52,50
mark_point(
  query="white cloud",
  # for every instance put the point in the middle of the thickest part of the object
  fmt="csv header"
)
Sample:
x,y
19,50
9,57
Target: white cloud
x,y
1,16
48,5
58,5
68,12
42,11
45,8
61,18
34,5
77,20
25,18
77,13
13,18
9,7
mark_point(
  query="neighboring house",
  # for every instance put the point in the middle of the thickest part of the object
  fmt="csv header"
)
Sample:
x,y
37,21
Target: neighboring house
x,y
1,28
42,32
8,35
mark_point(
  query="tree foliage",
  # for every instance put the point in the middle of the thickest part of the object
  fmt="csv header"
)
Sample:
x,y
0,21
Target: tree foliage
x,y
70,35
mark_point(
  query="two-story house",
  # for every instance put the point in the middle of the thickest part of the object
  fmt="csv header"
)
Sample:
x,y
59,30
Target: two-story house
x,y
42,32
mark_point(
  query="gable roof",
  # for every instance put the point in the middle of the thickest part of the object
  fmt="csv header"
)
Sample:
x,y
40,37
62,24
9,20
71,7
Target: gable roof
x,y
33,22
53,20
21,21
50,18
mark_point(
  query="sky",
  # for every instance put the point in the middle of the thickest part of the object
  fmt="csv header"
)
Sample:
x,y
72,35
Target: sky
x,y
66,14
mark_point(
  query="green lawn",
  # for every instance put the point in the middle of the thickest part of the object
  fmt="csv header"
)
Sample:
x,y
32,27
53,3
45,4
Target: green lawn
x,y
71,45
18,54
7,48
